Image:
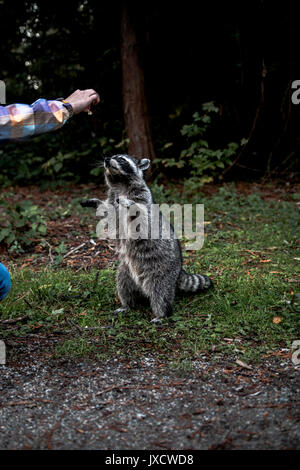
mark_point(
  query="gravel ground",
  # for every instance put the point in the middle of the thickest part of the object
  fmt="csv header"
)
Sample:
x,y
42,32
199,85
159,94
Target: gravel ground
x,y
142,404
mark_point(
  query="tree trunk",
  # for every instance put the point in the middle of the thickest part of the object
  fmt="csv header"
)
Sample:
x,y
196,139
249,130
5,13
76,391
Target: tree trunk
x,y
134,97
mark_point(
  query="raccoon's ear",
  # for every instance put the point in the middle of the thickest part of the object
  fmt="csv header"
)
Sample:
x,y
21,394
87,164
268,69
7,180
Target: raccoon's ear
x,y
144,164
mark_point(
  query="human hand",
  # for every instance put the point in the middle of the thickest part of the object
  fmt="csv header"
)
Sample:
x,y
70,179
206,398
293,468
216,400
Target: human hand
x,y
81,100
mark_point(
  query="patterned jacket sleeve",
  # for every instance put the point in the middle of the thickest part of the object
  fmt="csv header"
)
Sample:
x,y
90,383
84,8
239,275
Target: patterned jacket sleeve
x,y
21,120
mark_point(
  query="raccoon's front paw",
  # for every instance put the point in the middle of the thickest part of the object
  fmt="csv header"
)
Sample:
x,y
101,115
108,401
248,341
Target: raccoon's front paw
x,y
123,201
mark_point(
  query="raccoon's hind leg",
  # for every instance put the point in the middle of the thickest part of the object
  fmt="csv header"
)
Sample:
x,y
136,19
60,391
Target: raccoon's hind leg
x,y
161,301
128,291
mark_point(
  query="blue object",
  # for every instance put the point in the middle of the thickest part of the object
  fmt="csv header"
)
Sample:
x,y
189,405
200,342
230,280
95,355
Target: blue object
x,y
4,282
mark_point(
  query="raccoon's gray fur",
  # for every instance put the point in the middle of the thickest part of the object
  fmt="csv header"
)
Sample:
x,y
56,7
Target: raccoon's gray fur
x,y
150,269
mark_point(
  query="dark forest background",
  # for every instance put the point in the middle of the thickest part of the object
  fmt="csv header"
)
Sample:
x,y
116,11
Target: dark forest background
x,y
203,88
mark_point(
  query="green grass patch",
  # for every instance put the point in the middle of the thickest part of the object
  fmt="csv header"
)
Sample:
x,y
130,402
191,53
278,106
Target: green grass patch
x,y
251,251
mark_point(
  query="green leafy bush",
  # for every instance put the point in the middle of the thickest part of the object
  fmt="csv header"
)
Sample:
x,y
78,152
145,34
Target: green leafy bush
x,y
21,224
203,162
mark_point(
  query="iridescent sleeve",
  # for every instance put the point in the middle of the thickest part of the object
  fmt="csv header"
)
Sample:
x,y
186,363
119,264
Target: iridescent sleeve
x,y
18,121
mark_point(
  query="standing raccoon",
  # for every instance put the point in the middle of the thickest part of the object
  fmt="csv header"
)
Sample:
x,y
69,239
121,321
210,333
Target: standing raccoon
x,y
149,268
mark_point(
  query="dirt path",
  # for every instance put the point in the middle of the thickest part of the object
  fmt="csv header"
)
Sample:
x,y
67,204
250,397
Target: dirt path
x,y
52,404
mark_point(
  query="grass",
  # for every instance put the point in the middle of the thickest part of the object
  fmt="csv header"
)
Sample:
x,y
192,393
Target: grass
x,y
250,251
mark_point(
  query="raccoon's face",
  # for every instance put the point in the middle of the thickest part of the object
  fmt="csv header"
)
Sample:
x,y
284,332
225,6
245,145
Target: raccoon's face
x,y
122,167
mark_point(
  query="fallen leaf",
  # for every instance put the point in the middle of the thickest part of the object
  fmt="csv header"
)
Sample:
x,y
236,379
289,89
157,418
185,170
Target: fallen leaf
x,y
36,326
243,364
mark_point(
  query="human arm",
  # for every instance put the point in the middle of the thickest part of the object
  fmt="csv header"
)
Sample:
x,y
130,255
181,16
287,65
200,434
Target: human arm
x,y
18,120
22,120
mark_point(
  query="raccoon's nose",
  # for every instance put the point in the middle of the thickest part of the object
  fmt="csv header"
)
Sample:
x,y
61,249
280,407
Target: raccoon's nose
x,y
107,162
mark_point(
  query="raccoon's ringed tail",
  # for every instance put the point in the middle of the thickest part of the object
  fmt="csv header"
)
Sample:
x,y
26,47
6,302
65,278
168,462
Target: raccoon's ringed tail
x,y
193,282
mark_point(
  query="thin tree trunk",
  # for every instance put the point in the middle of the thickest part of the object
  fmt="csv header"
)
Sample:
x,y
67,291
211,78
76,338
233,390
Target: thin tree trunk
x,y
134,97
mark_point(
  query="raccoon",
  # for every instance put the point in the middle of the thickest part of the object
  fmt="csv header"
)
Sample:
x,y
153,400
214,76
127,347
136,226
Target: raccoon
x,y
150,269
